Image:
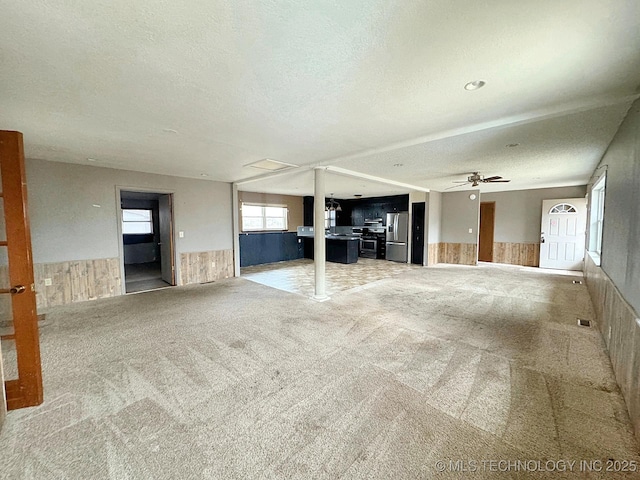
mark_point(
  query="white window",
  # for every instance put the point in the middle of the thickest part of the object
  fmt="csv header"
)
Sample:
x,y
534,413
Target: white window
x,y
596,216
563,208
137,222
329,219
256,217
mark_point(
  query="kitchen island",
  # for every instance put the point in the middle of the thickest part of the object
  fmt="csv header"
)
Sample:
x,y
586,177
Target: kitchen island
x,y
340,248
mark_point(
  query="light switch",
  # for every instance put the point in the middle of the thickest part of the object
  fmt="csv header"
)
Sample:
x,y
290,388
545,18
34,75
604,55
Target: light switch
x,y
471,230
47,282
181,234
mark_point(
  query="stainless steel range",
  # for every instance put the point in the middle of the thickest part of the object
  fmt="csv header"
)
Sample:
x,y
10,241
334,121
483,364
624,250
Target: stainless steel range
x,y
372,242
368,246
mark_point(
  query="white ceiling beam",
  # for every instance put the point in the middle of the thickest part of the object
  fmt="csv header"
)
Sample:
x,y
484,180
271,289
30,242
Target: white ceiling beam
x,y
338,171
373,178
514,120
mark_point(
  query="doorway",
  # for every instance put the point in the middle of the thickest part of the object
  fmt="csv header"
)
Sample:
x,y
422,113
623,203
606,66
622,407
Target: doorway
x,y
417,231
487,226
147,240
562,233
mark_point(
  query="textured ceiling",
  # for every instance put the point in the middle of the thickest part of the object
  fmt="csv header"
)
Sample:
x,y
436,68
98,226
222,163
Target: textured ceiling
x,y
208,87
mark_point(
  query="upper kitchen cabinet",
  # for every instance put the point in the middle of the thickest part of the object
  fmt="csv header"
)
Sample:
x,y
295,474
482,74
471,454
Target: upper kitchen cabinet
x,y
307,203
377,207
356,211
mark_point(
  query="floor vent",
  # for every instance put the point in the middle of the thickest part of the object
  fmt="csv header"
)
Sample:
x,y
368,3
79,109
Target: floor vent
x,y
578,282
584,323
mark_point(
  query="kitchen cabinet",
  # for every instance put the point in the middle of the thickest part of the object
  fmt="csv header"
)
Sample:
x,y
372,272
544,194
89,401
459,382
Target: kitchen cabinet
x,y
356,211
339,250
342,250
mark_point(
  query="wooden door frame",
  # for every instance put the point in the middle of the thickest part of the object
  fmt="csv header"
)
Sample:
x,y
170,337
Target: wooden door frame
x,y
26,390
174,250
492,232
172,242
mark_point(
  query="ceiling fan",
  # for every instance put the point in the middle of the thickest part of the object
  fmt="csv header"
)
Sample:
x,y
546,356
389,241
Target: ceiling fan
x,y
476,179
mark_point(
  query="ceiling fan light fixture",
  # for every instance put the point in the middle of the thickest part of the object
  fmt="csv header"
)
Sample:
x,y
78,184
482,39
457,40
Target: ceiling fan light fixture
x,y
475,85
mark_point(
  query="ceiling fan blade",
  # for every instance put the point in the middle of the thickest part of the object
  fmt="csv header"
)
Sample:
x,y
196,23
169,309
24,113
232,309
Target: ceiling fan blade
x,y
461,181
491,179
499,181
456,186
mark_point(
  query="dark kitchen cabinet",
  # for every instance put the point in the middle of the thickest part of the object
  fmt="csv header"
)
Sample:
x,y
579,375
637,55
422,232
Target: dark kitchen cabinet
x,y
382,246
377,207
307,212
356,211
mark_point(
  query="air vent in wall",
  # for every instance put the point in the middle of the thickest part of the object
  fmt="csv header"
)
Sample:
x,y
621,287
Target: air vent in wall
x,y
584,323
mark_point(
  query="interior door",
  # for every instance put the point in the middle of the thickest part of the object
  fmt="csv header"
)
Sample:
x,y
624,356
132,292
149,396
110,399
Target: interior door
x,y
562,234
417,229
487,222
19,322
165,221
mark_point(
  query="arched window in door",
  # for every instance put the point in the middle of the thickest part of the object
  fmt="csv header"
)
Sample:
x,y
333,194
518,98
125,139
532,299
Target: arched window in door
x,y
563,208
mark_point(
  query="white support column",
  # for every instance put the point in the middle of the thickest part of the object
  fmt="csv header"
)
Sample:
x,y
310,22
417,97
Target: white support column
x,y
235,229
319,242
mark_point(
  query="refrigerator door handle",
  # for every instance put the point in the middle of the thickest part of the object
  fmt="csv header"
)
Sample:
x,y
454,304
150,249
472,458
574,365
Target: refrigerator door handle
x,y
395,227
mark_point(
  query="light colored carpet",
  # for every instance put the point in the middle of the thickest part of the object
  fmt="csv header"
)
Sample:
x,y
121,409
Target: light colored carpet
x,y
238,380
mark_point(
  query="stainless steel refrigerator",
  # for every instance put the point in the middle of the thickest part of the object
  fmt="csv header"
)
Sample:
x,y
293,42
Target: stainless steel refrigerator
x,y
397,236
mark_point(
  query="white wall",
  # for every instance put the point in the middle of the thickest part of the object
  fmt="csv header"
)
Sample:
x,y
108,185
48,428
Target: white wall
x,y
621,235
519,213
434,214
65,224
459,214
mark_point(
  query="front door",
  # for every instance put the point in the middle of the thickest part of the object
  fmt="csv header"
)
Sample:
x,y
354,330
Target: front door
x,y
562,234
19,323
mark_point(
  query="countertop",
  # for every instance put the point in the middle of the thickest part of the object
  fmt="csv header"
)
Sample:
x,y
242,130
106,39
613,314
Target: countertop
x,y
341,237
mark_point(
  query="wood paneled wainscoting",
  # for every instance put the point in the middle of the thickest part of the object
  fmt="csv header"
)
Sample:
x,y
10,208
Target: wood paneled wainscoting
x,y
458,253
619,325
525,254
76,281
202,267
432,253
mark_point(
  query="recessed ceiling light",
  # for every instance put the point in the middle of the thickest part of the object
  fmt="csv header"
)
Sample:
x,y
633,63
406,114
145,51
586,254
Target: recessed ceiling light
x,y
204,174
91,160
169,130
268,164
511,145
475,85
398,164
